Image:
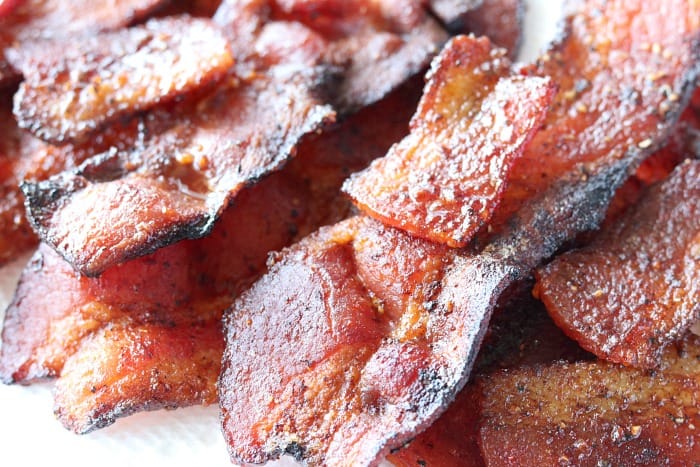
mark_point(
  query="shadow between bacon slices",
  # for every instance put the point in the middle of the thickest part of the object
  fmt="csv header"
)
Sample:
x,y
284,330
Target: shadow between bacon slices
x,y
370,326
54,19
360,335
146,334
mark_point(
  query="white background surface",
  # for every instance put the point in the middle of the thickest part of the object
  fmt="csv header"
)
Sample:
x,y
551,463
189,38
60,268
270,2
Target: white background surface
x,y
30,435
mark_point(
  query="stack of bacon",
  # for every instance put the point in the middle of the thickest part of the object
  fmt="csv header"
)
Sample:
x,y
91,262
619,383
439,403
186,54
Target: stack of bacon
x,y
162,160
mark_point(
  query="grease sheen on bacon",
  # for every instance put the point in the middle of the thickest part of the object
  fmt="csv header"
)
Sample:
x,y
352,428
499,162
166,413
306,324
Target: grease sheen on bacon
x,y
624,73
53,19
161,314
373,318
374,406
634,289
444,181
73,87
374,45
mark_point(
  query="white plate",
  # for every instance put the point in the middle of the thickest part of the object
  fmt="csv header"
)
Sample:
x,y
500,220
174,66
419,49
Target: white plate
x,y
30,435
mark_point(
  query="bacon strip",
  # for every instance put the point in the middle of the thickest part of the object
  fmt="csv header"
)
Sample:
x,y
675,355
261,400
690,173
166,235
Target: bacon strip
x,y
119,206
369,308
167,306
597,412
74,87
445,180
634,289
623,76
375,45
371,343
53,19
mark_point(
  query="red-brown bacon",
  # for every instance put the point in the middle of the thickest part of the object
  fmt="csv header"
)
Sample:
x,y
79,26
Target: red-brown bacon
x,y
52,19
363,309
375,45
635,288
122,205
147,334
373,333
445,180
73,87
593,413
177,183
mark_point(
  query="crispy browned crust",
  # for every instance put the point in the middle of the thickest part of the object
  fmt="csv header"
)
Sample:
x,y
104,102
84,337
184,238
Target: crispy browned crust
x,y
76,86
367,353
167,305
636,287
123,205
520,334
373,318
593,413
444,181
52,19
374,46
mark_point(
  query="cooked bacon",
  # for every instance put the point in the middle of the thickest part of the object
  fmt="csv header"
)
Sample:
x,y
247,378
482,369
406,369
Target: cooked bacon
x,y
364,310
636,287
52,19
500,20
520,334
360,335
594,412
623,75
444,181
375,45
75,86
167,306
122,205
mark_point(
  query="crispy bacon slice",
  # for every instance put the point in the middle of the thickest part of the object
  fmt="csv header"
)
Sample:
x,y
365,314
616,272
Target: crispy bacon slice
x,y
500,20
368,307
635,288
623,76
594,412
75,86
167,306
445,180
521,333
122,205
350,377
376,45
52,19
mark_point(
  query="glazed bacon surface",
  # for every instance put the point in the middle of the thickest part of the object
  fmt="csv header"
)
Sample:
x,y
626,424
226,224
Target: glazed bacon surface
x,y
445,180
623,75
178,179
634,289
374,45
374,318
73,87
385,387
29,20
147,334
